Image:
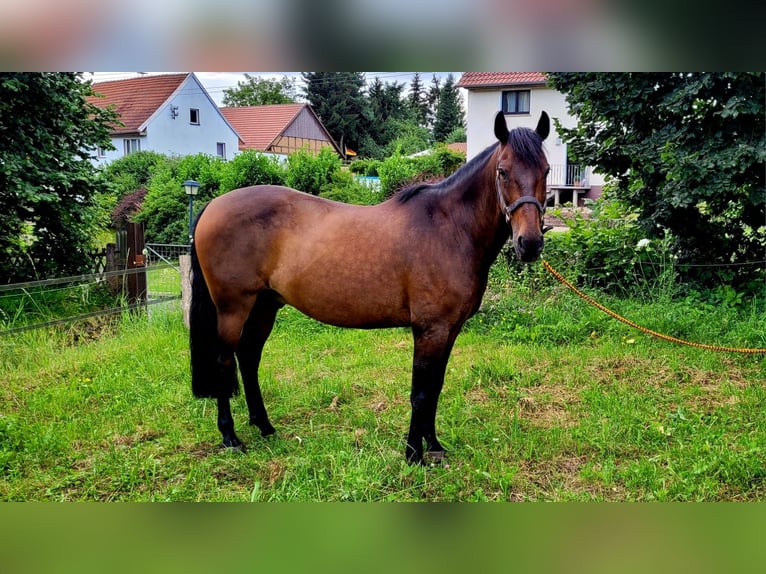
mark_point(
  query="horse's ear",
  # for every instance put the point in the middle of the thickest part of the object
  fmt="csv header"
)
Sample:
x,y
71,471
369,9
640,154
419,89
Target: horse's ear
x,y
543,126
501,129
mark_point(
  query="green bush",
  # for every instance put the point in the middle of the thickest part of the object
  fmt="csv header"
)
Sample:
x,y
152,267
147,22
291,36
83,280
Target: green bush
x,y
398,171
368,167
133,171
606,250
344,188
252,168
395,172
165,210
310,173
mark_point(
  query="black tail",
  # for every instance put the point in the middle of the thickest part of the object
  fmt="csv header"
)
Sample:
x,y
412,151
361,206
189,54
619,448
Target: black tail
x,y
206,373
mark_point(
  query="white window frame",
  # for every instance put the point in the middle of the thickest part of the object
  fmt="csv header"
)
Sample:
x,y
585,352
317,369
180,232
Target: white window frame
x,y
131,145
194,116
220,149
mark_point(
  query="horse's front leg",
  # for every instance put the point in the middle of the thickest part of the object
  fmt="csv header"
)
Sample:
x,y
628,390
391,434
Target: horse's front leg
x,y
432,350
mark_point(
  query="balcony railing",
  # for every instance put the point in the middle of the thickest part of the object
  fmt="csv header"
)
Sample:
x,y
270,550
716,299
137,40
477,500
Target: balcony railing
x,y
571,175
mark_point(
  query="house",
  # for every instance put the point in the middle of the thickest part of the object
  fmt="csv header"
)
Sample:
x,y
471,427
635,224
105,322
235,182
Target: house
x,y
170,114
522,96
280,128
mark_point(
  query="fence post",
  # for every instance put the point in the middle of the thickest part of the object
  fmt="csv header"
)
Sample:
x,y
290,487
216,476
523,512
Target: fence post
x,y
136,260
184,265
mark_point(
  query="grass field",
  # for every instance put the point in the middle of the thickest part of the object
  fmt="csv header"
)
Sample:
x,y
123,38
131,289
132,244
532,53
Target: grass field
x,y
545,399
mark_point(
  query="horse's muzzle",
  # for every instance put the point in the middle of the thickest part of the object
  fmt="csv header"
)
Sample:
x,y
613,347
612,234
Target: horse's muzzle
x,y
528,248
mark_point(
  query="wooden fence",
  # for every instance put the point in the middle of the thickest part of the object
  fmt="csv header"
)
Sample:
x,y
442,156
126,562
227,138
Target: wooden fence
x,y
134,276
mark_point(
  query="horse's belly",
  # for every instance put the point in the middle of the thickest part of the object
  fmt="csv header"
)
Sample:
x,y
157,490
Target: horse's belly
x,y
359,301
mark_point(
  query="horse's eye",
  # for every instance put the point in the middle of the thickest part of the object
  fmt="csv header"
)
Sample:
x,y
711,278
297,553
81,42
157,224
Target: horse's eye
x,y
502,173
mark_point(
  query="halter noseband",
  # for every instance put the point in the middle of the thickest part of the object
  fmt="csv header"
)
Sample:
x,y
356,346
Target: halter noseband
x,y
509,209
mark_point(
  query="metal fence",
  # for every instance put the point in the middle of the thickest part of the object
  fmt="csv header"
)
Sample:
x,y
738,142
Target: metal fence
x,y
570,175
44,303
163,269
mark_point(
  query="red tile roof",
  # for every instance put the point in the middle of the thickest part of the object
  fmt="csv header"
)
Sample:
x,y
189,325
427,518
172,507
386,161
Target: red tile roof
x,y
259,126
491,79
136,99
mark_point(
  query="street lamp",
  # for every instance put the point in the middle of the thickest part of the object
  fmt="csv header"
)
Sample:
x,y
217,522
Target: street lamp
x,y
191,188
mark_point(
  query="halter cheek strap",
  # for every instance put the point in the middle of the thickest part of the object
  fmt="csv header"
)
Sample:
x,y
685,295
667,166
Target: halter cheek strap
x,y
509,209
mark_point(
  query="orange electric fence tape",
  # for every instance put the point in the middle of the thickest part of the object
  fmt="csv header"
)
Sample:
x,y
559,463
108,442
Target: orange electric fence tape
x,y
614,315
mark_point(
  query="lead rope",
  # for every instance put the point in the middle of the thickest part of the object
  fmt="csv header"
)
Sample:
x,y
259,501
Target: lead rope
x,y
622,319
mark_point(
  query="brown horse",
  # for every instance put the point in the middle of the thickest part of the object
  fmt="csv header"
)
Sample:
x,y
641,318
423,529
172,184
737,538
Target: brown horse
x,y
420,259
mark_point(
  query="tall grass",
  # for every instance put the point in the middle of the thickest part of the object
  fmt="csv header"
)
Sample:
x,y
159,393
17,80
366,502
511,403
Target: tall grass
x,y
545,399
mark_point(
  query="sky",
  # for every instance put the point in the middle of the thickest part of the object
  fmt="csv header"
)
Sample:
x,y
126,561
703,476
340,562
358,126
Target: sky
x,y
216,82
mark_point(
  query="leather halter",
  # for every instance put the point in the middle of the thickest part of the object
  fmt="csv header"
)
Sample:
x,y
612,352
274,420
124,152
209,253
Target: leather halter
x,y
509,209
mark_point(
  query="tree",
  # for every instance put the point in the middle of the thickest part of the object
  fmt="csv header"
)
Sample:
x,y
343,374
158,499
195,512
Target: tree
x,y
432,100
417,100
339,102
48,186
392,117
449,113
687,150
255,91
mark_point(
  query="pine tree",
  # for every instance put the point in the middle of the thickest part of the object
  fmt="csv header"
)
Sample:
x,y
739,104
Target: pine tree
x,y
417,101
339,101
449,113
432,100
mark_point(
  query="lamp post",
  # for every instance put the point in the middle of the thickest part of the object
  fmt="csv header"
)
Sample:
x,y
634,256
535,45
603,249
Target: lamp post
x,y
191,188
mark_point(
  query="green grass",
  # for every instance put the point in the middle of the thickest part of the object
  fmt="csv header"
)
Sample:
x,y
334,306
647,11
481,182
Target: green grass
x,y
545,399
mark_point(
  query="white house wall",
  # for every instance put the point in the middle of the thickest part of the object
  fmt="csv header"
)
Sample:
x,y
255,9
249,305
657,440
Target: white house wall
x,y
483,105
177,136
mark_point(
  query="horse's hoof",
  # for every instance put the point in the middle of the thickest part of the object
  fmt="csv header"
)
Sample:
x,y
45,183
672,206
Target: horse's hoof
x,y
234,445
436,456
413,457
266,429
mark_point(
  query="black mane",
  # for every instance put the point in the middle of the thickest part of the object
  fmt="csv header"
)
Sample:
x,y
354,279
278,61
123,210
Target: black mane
x,y
527,147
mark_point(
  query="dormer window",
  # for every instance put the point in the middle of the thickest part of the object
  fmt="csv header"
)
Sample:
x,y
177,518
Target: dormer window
x,y
194,116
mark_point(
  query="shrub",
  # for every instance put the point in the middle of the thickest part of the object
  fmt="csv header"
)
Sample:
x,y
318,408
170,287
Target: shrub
x,y
368,167
395,172
398,171
344,188
132,172
252,168
606,250
127,207
165,209
308,172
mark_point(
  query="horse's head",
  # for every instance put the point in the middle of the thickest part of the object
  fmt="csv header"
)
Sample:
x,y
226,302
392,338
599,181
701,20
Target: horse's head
x,y
521,169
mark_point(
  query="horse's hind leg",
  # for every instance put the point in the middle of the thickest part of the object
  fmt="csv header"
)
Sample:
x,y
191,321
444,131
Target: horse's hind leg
x,y
230,326
257,329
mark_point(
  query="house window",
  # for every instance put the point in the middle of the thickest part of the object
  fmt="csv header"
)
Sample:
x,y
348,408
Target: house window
x,y
131,145
100,152
220,150
516,102
194,116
